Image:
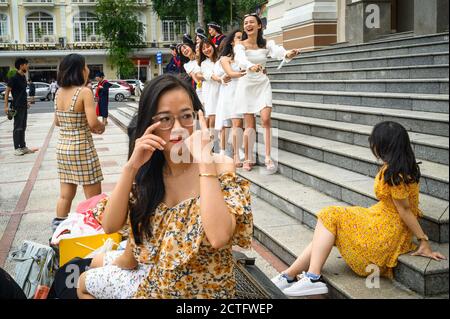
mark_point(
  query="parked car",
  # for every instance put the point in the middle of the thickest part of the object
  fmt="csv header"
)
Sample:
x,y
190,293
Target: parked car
x,y
135,82
125,84
43,91
3,86
117,92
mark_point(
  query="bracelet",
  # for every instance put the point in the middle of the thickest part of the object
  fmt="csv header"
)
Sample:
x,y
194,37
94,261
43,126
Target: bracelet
x,y
207,175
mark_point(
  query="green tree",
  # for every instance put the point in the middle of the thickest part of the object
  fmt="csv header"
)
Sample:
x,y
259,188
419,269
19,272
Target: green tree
x,y
119,25
224,12
11,73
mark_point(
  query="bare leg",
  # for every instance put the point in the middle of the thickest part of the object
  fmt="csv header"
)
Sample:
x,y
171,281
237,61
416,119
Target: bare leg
x,y
301,264
249,136
67,193
323,242
92,190
266,123
82,292
237,139
211,121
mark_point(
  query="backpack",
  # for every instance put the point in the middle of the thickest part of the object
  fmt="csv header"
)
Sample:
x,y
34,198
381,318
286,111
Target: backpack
x,y
35,269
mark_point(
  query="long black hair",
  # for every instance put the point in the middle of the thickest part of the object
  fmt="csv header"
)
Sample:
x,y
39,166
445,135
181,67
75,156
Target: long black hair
x,y
260,41
226,47
148,190
390,142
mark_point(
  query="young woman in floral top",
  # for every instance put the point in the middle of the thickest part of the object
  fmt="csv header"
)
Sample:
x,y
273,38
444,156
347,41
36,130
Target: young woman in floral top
x,y
188,207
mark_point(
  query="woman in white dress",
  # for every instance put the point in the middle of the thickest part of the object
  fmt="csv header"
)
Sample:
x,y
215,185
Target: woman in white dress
x,y
189,62
210,81
254,93
225,105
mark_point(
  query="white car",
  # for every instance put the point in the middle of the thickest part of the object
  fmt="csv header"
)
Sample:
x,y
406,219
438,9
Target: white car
x,y
43,91
117,92
135,82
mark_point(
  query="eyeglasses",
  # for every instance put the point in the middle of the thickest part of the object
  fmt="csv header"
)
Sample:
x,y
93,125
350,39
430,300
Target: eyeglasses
x,y
187,119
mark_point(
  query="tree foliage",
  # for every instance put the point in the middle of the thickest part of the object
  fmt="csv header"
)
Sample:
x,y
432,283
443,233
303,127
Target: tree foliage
x,y
224,12
120,27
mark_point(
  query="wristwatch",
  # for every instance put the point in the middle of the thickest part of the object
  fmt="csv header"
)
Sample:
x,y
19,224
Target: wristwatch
x,y
424,237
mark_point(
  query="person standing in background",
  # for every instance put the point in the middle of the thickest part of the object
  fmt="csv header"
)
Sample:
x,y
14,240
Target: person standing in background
x,y
53,89
17,85
174,65
102,95
31,91
77,158
215,31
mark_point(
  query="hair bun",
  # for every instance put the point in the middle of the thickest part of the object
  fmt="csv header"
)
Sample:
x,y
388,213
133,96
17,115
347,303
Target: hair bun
x,y
187,39
200,30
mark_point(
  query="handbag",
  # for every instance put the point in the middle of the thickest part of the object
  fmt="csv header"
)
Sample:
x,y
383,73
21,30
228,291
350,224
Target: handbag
x,y
35,268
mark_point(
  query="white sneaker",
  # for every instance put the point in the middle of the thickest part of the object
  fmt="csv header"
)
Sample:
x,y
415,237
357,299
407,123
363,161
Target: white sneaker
x,y
18,152
282,282
26,150
306,287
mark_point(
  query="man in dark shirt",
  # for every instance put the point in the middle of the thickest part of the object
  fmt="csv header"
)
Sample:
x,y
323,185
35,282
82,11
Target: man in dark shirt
x,y
17,85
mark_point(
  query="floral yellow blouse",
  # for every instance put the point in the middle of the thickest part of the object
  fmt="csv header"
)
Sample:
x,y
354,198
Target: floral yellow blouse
x,y
182,262
375,235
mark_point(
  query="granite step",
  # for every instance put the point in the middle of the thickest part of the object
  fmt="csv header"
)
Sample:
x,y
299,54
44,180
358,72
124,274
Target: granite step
x,y
399,72
336,55
437,103
275,229
343,48
437,58
355,188
435,177
414,121
416,86
426,146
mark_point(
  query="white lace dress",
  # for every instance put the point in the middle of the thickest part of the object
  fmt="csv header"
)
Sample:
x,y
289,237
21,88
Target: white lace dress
x,y
226,105
253,92
210,88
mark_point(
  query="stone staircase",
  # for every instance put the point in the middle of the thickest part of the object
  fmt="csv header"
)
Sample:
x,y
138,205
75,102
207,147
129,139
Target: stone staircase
x,y
325,105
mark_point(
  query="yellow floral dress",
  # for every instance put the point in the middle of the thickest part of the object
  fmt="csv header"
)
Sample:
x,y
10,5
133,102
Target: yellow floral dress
x,y
375,235
182,262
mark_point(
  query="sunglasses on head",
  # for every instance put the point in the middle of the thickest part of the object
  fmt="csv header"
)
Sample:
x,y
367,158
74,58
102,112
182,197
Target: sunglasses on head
x,y
254,14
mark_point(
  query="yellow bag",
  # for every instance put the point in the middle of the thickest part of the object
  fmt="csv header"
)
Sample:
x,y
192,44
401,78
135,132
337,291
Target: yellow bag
x,y
82,246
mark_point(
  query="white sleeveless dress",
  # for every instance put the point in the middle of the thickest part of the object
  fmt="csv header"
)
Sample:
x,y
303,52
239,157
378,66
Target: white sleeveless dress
x,y
210,88
225,104
253,92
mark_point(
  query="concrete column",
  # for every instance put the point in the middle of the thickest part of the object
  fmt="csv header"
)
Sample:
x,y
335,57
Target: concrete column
x,y
15,21
430,16
340,28
366,20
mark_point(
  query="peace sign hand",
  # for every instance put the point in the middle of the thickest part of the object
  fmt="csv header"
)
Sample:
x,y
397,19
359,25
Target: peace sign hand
x,y
201,142
145,146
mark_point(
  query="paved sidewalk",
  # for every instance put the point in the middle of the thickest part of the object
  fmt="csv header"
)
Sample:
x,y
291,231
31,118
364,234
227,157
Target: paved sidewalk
x,y
29,185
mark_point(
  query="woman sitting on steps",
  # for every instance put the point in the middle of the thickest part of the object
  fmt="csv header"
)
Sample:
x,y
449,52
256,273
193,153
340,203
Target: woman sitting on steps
x,y
368,236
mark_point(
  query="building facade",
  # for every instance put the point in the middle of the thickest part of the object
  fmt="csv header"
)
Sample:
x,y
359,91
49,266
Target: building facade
x,y
314,24
44,31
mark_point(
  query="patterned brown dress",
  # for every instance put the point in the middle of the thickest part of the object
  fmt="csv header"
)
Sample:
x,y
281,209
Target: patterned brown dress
x,y
77,158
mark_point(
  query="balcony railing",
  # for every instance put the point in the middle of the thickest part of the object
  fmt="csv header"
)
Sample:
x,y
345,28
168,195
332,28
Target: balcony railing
x,y
38,2
94,2
4,3
54,43
84,2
